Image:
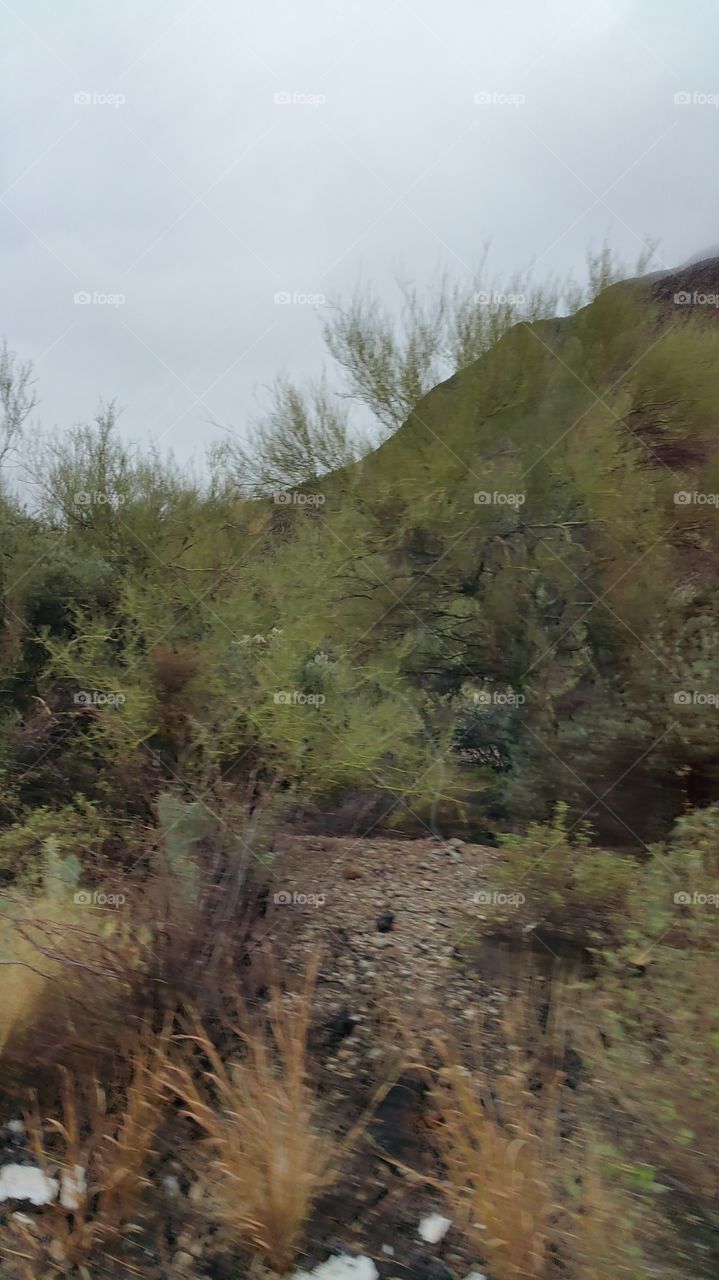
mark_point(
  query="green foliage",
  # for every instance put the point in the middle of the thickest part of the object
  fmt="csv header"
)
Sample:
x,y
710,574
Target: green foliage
x,y
51,846
183,826
658,1056
568,883
340,643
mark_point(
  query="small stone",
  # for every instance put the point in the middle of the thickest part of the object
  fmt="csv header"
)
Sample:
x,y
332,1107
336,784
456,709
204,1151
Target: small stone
x,y
424,1267
16,1126
434,1228
342,1267
25,1182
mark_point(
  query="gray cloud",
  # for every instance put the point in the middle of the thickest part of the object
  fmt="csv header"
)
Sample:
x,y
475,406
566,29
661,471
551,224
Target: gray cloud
x,y
151,158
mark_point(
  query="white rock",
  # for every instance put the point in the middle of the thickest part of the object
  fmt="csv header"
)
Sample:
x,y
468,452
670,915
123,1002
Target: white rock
x,y
434,1228
171,1184
476,1275
16,1126
387,1248
73,1185
342,1267
25,1182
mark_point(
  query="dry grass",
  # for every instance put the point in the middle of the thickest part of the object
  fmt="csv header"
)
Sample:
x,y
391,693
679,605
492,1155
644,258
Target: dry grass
x,y
529,1198
113,1151
497,1148
271,1153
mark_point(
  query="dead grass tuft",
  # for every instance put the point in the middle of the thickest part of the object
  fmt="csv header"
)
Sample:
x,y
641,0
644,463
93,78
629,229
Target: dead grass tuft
x,y
102,1160
272,1153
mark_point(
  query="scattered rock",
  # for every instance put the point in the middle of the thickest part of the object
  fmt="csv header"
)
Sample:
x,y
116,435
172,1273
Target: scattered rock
x,y
423,1266
342,1267
434,1228
327,1039
352,871
385,922
25,1182
396,1125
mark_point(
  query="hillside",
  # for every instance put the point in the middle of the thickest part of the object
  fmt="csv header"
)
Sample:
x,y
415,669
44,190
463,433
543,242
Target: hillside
x,y
358,841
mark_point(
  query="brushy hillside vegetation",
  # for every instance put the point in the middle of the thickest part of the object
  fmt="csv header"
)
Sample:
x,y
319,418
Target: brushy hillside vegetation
x,y
498,608
498,622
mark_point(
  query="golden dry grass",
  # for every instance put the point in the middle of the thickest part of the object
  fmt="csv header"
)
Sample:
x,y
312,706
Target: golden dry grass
x,y
113,1152
528,1197
499,1175
271,1151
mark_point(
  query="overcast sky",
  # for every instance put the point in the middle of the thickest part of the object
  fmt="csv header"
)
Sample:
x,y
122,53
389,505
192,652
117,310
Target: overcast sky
x,y
181,164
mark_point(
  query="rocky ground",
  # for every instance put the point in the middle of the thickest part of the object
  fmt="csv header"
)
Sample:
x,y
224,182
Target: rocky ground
x,y
396,923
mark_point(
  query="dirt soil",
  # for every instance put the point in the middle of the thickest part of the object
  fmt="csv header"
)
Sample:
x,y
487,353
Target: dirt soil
x,y
397,923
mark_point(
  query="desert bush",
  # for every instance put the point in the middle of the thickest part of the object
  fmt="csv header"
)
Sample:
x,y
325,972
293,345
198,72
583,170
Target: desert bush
x,y
568,882
657,1013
